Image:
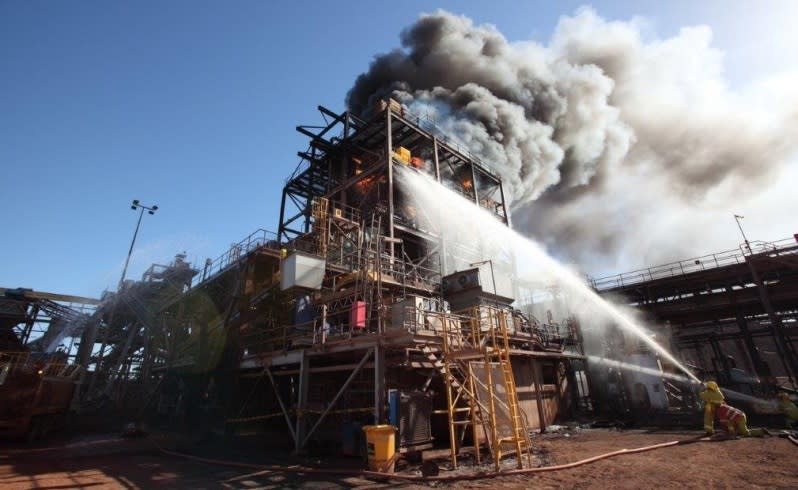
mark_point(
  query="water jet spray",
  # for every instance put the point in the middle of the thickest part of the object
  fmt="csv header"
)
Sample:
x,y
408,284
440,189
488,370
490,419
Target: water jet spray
x,y
489,233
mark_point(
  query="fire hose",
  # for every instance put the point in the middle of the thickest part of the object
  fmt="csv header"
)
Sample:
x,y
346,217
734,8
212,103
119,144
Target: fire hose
x,y
418,478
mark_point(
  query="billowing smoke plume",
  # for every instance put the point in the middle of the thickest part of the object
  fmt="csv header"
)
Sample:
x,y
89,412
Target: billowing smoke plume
x,y
595,134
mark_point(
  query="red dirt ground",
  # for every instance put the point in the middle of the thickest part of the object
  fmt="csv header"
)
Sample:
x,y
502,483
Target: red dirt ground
x,y
118,463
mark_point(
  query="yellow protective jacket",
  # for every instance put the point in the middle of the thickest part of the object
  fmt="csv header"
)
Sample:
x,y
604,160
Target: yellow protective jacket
x,y
712,397
712,400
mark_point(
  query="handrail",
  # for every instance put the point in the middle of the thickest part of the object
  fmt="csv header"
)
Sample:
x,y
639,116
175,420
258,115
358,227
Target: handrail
x,y
14,360
58,367
695,264
256,239
429,124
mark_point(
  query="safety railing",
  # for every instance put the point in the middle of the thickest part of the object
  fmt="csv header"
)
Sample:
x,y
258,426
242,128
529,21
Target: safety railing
x,y
408,272
343,213
762,247
279,337
256,239
430,125
11,362
291,337
696,264
422,321
14,360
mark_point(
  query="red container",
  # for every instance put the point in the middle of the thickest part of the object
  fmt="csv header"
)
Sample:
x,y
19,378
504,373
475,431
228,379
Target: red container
x,y
357,315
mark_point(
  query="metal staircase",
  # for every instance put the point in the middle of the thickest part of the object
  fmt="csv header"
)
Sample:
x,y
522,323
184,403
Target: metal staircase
x,y
474,360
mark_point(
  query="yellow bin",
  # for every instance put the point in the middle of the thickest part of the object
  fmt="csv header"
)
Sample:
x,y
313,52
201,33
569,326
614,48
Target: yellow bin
x,y
381,446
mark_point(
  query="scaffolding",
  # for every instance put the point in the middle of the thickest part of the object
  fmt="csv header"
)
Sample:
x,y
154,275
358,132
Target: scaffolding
x,y
241,339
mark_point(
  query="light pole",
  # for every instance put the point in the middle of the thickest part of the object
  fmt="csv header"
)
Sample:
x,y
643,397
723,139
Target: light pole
x,y
737,218
134,206
492,276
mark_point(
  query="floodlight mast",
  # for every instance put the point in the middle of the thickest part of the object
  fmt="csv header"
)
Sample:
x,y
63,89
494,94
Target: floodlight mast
x,y
136,205
737,218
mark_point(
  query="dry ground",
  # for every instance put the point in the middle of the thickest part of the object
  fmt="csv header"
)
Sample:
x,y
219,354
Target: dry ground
x,y
116,463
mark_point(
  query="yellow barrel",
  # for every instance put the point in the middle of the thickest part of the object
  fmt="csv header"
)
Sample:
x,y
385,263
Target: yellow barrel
x,y
381,446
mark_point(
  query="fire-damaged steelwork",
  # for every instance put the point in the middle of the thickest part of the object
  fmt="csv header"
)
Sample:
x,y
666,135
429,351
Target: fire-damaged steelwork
x,y
355,312
389,313
730,315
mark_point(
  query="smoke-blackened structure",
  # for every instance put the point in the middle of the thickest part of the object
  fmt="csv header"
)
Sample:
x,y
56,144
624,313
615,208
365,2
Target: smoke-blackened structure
x,y
596,133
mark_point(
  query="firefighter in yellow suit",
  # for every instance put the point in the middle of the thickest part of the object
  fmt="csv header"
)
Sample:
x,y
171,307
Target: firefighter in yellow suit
x,y
789,409
736,422
712,397
733,419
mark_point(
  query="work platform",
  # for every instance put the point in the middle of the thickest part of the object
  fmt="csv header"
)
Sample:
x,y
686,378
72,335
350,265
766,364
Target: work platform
x,y
727,312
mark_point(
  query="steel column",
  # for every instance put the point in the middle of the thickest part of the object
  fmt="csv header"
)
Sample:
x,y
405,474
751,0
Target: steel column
x,y
785,352
379,384
338,395
302,401
389,158
268,372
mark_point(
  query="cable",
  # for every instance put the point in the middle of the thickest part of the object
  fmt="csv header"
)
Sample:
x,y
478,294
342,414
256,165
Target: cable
x,y
416,478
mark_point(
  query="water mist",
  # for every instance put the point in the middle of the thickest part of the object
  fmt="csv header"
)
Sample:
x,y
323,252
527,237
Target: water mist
x,y
488,234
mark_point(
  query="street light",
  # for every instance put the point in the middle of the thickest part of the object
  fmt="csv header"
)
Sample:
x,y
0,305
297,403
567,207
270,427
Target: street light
x,y
737,218
134,206
492,276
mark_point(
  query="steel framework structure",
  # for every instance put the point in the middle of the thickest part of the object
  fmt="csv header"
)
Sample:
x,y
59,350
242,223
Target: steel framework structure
x,y
232,339
742,301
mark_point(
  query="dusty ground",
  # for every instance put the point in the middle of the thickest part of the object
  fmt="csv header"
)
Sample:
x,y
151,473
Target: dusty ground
x,y
117,463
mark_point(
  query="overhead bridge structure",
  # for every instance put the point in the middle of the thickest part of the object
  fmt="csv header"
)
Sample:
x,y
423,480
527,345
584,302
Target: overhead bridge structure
x,y
727,313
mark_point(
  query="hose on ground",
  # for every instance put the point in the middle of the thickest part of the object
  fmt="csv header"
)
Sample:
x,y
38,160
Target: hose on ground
x,y
418,478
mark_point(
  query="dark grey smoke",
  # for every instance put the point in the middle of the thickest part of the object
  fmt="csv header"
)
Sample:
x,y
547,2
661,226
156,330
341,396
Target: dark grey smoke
x,y
595,133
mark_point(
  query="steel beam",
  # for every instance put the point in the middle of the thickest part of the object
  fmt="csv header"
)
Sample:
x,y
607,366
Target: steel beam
x,y
389,158
786,354
337,396
379,384
268,372
302,401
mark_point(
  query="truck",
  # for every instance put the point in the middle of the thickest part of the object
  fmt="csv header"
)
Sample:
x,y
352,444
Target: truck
x,y
36,392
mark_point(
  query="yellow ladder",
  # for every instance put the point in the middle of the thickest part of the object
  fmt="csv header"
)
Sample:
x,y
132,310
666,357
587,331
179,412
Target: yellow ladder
x,y
520,437
493,327
484,341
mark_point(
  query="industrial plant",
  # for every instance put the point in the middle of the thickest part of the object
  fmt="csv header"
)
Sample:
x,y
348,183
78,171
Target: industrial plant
x,y
731,316
358,313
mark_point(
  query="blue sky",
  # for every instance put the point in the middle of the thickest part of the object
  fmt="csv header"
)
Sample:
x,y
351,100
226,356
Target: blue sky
x,y
192,105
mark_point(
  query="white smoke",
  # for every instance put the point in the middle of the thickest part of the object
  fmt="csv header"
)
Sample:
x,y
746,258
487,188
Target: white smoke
x,y
610,147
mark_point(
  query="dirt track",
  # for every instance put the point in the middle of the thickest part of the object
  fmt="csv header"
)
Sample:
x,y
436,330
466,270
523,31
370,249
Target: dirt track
x,y
115,463
742,463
